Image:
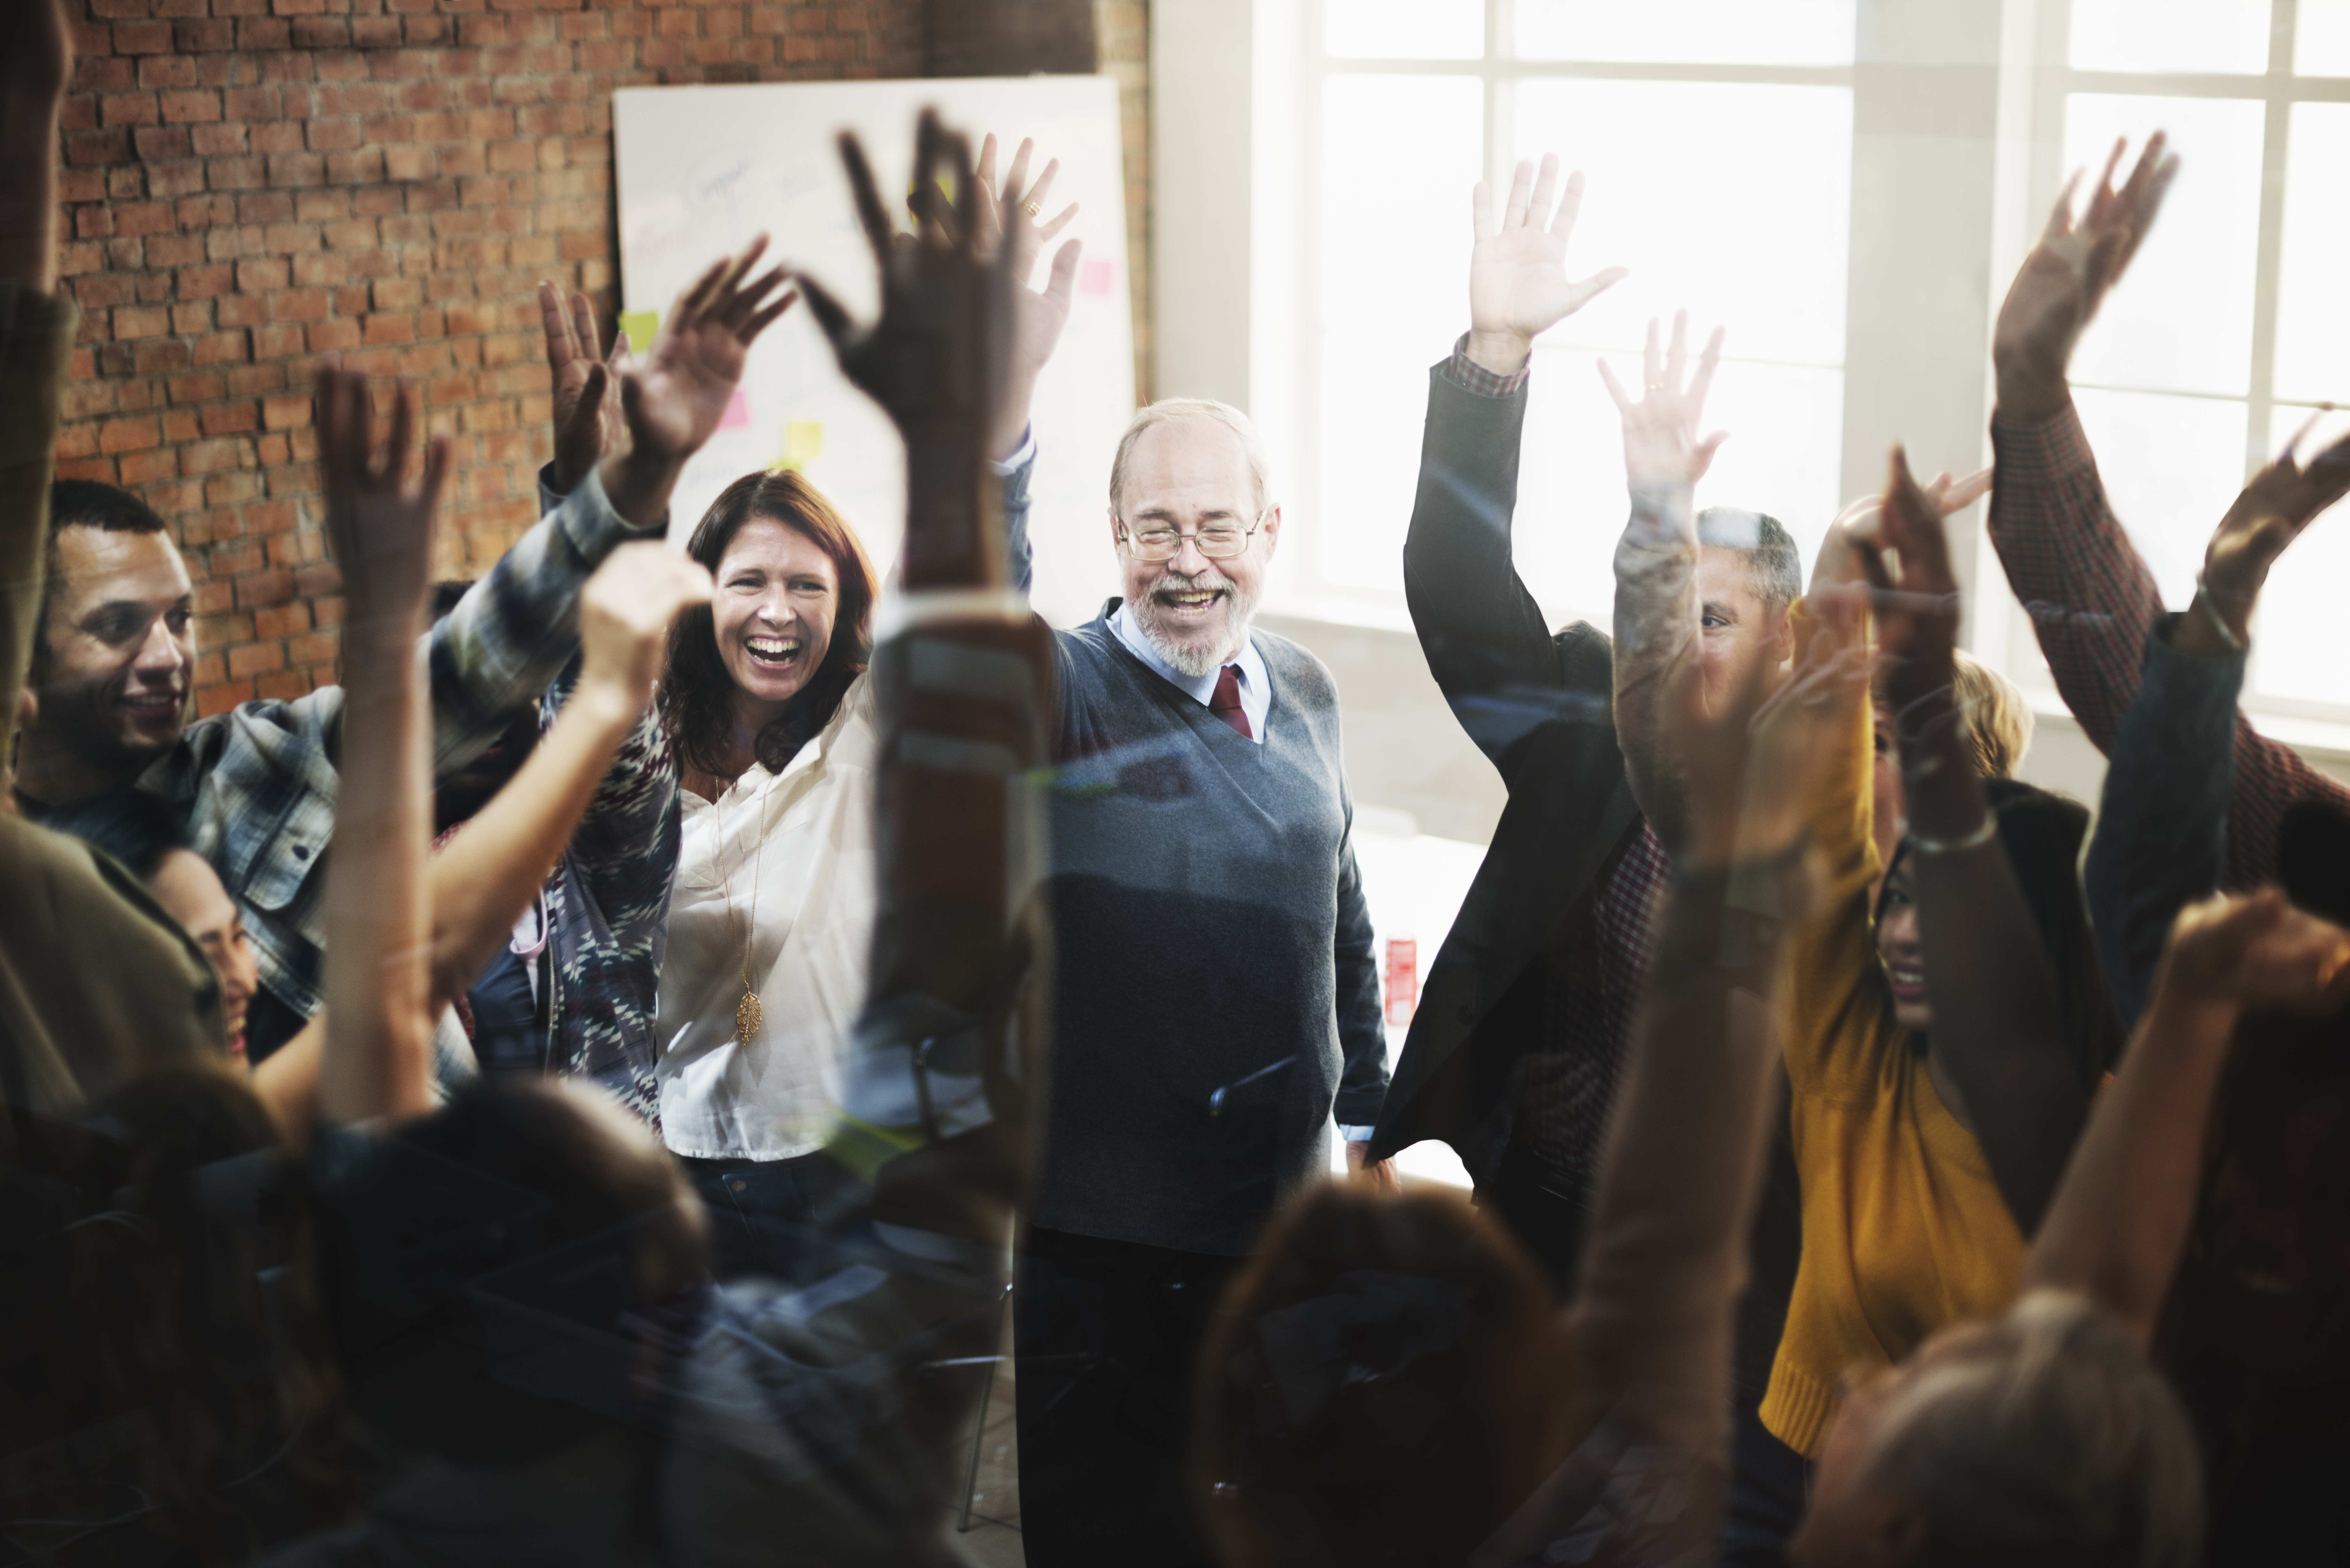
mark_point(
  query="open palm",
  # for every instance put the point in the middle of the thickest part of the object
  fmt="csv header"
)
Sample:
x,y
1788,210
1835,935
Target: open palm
x,y
675,396
1518,286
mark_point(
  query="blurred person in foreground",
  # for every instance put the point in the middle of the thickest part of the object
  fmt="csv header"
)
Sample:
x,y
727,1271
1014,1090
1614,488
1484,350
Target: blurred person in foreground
x,y
1388,1382
97,984
682,1423
1944,1028
1200,828
770,706
2045,1436
2257,1328
113,663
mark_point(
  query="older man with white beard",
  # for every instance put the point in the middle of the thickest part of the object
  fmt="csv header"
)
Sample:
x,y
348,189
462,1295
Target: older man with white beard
x,y
1215,993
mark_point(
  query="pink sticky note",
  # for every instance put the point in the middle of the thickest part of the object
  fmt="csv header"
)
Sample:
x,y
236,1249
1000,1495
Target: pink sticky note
x,y
1095,278
738,412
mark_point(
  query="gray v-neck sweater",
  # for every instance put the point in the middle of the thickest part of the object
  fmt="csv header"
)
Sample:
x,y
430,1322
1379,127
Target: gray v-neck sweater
x,y
1208,933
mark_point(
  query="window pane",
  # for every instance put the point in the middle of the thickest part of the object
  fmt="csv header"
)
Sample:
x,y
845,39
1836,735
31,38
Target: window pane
x,y
1785,426
1384,138
2170,36
2321,39
1374,401
2172,467
2297,631
1710,32
1404,29
2182,320
1734,199
2312,342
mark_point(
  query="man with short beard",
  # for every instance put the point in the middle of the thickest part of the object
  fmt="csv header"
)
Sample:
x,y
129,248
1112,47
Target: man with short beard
x,y
1215,993
114,653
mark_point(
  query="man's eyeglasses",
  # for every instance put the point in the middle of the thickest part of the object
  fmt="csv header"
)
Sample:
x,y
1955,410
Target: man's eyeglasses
x,y
1218,542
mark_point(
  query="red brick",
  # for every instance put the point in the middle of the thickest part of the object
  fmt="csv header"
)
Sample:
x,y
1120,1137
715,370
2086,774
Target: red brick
x,y
255,658
187,107
273,586
139,467
232,419
298,305
284,412
283,620
219,699
134,321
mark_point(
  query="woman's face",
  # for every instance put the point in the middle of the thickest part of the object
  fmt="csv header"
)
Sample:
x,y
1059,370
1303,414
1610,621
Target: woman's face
x,y
190,891
1904,954
2280,1240
777,596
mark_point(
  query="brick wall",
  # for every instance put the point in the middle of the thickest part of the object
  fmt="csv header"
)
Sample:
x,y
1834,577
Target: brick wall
x,y
250,183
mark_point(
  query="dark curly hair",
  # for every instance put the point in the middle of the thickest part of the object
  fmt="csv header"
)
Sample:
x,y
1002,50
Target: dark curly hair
x,y
697,694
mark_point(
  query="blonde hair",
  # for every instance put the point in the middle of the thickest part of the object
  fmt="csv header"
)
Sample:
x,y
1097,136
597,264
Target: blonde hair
x,y
2044,1439
1170,409
1998,720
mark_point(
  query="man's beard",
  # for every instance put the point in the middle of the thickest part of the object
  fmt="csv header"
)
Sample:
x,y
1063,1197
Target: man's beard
x,y
1240,606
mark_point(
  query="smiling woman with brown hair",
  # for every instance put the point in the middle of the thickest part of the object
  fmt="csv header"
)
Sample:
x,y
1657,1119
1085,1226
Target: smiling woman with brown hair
x,y
771,715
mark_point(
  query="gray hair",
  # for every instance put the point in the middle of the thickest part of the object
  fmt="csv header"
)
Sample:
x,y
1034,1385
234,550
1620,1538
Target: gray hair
x,y
1774,565
1224,414
2044,1439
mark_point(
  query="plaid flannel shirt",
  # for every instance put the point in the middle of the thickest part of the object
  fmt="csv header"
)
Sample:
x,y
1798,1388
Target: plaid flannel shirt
x,y
256,784
2093,602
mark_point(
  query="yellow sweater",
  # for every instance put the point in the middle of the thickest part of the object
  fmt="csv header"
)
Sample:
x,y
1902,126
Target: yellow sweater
x,y
1904,1230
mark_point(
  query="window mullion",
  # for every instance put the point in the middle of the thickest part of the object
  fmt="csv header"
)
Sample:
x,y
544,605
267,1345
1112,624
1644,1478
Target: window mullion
x,y
2276,135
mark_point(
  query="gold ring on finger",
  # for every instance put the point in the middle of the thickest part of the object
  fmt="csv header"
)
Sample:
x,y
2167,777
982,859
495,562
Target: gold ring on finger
x,y
1030,208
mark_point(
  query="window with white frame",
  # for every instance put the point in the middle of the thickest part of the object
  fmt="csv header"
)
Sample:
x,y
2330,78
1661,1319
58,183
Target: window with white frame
x,y
1716,137
2231,326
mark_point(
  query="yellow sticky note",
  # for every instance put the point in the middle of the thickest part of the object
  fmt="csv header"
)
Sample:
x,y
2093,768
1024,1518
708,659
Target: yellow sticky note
x,y
640,325
803,443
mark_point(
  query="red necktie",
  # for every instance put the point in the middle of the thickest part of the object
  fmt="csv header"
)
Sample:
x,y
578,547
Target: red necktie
x,y
1225,703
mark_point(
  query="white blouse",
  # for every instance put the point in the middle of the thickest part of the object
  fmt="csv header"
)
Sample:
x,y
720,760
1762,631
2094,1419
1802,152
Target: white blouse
x,y
804,837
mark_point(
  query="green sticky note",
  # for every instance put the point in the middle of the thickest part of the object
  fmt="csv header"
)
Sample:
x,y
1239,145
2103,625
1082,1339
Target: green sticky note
x,y
803,443
640,325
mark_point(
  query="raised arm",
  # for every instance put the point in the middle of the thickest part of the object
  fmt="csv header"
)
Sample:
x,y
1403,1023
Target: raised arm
x,y
1656,623
378,1055
1684,1155
488,873
516,629
2162,834
2090,597
37,329
1999,1022
2119,1224
1483,633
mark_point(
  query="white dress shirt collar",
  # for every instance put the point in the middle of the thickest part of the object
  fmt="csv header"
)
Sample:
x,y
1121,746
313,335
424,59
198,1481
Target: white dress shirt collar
x,y
1256,687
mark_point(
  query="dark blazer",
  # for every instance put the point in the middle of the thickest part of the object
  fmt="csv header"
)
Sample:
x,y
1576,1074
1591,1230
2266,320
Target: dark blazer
x,y
1537,705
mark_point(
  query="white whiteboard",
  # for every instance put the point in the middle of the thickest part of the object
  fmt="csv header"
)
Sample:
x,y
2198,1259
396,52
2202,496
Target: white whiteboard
x,y
703,168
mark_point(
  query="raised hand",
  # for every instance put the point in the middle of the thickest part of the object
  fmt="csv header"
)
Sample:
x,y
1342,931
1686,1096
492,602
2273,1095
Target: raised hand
x,y
1661,445
380,524
2066,277
1916,595
626,610
588,422
674,397
2269,514
938,359
2256,951
1038,316
1856,526
1518,287
941,347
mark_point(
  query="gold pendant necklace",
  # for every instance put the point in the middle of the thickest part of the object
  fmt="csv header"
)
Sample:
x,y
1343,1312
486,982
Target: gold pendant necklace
x,y
748,1014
